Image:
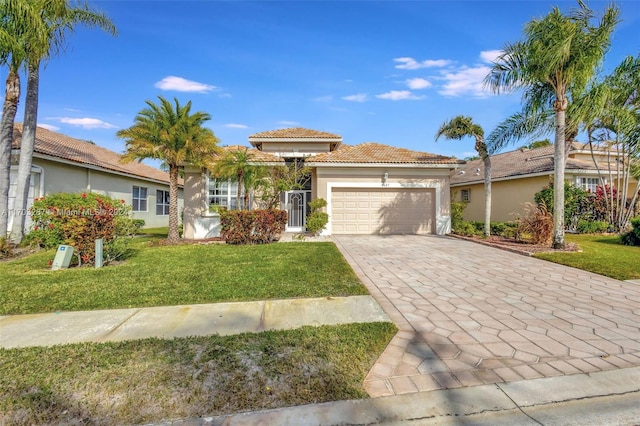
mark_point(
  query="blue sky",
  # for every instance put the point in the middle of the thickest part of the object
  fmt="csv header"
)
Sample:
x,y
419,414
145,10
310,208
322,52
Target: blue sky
x,y
372,71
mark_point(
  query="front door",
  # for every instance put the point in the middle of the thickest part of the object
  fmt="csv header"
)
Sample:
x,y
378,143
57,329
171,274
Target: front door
x,y
296,206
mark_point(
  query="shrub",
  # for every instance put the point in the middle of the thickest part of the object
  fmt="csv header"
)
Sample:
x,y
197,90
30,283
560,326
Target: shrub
x,y
465,228
251,226
457,211
5,248
317,219
592,226
536,225
632,238
78,220
576,203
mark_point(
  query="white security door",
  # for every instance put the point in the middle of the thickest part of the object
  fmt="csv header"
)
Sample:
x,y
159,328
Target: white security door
x,y
296,206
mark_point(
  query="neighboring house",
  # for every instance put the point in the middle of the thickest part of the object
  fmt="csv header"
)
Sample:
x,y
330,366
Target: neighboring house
x,y
517,175
369,188
65,164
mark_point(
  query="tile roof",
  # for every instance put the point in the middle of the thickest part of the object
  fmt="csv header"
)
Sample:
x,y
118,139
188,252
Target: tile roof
x,y
520,162
294,133
82,152
371,152
256,155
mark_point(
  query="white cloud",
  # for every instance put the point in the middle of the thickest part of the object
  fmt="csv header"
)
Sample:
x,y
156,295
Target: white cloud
x,y
236,126
49,127
465,81
418,83
407,63
180,84
327,98
358,97
87,123
224,95
399,95
288,123
490,56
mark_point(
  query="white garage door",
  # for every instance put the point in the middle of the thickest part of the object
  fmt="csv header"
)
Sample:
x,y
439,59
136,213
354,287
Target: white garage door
x,y
382,211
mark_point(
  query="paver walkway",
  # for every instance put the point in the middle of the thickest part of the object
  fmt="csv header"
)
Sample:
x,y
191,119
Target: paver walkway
x,y
470,314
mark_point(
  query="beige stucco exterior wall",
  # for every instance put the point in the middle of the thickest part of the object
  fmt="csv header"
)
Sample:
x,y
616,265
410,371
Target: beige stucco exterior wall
x,y
301,148
325,178
60,177
508,197
194,204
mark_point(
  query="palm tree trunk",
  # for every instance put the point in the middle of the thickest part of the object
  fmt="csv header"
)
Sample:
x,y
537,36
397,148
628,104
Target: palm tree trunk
x,y
174,235
487,195
26,151
9,110
558,179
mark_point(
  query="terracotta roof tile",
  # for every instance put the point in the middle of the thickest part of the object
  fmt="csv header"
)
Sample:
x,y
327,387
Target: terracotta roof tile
x,y
377,153
256,155
82,152
293,133
520,162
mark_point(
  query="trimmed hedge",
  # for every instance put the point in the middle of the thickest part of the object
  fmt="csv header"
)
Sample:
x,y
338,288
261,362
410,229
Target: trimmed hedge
x,y
252,226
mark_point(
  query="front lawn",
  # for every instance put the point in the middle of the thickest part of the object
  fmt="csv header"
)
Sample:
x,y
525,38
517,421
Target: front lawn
x,y
175,275
156,380
602,254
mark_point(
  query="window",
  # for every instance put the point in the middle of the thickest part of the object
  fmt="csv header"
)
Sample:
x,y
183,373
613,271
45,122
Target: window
x,y
222,193
162,203
465,195
588,184
139,199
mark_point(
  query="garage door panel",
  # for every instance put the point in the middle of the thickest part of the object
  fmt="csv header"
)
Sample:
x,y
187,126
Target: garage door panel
x,y
383,211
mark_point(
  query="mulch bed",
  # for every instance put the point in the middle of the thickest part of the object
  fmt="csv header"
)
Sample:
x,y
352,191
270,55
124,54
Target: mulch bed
x,y
515,246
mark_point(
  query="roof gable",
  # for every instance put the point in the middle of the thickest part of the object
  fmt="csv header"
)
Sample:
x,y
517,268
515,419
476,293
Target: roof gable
x,y
375,153
60,146
518,163
294,133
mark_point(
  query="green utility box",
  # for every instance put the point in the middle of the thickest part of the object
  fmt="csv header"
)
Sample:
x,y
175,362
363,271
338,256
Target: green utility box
x,y
63,257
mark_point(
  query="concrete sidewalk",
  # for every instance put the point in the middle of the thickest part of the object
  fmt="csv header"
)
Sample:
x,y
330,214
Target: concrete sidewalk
x,y
181,321
609,398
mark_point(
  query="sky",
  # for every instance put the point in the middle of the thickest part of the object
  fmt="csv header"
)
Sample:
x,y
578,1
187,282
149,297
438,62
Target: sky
x,y
371,71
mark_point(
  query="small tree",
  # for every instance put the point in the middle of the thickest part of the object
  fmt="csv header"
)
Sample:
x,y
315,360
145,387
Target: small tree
x,y
237,164
317,219
279,179
460,127
173,134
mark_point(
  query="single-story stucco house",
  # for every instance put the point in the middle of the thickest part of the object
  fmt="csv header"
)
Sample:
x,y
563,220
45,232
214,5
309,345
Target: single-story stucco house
x,y
516,176
65,164
369,188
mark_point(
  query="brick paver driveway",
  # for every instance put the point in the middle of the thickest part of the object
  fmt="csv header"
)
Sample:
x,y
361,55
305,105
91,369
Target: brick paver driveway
x,y
470,314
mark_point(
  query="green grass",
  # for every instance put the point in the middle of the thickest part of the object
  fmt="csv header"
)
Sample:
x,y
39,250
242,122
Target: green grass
x,y
156,380
182,274
602,254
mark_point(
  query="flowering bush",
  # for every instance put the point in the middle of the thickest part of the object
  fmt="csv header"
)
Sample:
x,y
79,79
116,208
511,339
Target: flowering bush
x,y
252,226
78,220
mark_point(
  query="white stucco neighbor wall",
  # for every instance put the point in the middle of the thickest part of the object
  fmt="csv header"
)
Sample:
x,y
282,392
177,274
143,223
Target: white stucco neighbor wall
x,y
54,177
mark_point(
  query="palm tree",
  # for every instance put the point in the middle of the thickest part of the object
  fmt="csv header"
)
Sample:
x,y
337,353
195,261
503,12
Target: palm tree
x,y
171,133
19,21
57,18
460,127
236,164
554,64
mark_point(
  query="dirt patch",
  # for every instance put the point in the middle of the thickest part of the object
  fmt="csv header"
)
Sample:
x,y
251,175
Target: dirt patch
x,y
515,246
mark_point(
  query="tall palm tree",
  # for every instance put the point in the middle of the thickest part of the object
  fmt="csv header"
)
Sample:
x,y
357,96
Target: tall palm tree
x,y
57,19
171,133
460,127
19,21
553,64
